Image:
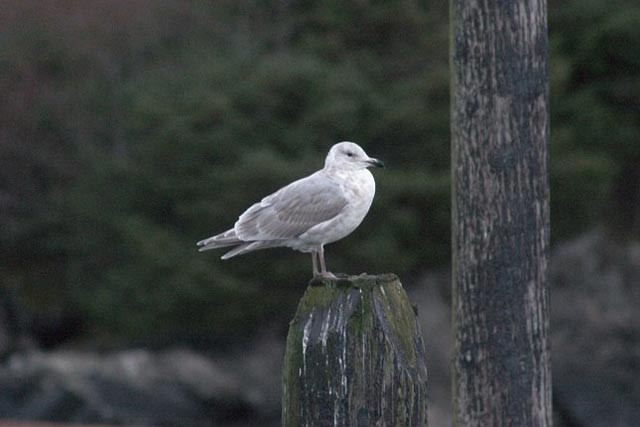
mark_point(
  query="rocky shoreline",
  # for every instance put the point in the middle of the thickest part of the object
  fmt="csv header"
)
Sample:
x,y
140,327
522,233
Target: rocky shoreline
x,y
595,339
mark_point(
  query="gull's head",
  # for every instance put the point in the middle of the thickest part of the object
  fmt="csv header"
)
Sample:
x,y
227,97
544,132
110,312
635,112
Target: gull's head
x,y
349,156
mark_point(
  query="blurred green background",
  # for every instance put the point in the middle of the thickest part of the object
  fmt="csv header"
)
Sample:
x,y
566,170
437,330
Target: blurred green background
x,y
130,129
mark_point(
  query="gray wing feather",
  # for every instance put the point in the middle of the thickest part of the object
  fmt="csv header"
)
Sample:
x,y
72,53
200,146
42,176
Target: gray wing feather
x,y
292,210
249,247
228,238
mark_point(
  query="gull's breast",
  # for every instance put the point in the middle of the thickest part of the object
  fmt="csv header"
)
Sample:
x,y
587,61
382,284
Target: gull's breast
x,y
359,188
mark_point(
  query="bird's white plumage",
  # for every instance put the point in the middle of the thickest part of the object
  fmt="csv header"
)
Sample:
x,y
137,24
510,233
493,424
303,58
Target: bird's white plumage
x,y
310,212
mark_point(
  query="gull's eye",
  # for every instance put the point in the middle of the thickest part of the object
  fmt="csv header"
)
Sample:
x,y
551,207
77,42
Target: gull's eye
x,y
350,153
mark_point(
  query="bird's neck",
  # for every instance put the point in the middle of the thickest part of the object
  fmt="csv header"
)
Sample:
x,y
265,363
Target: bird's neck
x,y
341,174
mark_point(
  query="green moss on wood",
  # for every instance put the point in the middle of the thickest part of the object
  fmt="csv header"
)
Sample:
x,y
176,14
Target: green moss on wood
x,y
354,354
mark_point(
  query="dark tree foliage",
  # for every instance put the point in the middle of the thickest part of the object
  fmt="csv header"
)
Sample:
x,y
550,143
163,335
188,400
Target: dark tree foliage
x,y
595,105
124,125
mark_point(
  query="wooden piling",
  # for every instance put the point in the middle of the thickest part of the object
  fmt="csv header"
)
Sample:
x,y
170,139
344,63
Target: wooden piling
x,y
355,357
500,214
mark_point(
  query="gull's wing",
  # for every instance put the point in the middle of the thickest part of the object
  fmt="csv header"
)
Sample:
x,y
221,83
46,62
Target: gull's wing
x,y
292,210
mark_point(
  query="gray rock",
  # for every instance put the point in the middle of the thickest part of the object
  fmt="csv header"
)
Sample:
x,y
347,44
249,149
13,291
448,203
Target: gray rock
x,y
432,299
136,387
595,331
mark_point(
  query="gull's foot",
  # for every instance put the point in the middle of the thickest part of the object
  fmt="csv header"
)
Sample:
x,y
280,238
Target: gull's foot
x,y
329,279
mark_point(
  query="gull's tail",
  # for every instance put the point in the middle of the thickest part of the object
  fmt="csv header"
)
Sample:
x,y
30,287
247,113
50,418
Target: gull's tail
x,y
249,247
228,238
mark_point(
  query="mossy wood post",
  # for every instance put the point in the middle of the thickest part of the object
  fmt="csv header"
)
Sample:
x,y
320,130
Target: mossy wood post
x,y
500,131
355,357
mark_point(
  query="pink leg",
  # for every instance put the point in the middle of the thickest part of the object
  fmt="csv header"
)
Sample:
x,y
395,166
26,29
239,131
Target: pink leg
x,y
323,266
314,260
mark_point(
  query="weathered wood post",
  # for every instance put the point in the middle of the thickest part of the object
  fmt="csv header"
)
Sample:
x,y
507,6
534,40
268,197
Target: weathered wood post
x,y
500,131
355,357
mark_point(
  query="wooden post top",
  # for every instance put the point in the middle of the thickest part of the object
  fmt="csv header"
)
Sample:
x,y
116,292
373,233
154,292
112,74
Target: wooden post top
x,y
362,280
355,356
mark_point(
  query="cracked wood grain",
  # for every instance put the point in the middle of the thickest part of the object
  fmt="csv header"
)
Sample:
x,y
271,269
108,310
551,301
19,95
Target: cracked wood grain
x,y
500,215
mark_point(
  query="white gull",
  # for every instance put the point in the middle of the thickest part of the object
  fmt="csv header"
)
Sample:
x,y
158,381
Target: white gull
x,y
308,213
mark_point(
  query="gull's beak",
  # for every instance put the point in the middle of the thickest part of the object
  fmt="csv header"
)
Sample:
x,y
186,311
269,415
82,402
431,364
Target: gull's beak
x,y
375,163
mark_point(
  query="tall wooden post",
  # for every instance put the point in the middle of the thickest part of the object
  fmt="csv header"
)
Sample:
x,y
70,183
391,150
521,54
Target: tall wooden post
x,y
500,215
355,357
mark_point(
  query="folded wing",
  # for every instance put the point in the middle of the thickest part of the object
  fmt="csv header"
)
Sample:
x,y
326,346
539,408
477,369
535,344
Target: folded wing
x,y
291,211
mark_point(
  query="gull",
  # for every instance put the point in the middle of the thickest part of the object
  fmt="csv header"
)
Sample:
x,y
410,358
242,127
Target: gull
x,y
308,213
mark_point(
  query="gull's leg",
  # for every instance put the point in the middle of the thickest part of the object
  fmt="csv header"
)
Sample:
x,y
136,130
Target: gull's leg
x,y
323,266
314,260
